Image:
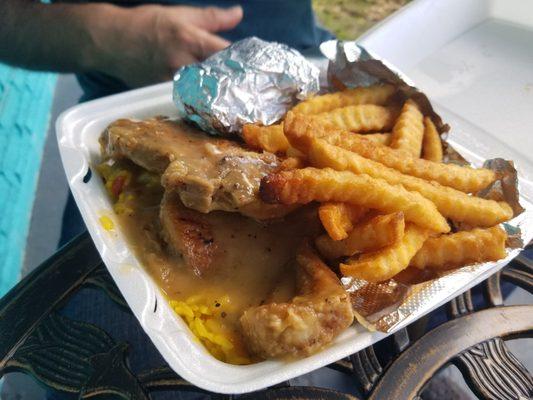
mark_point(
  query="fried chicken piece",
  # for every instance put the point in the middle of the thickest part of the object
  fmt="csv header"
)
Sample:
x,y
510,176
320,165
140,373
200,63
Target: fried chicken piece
x,y
320,312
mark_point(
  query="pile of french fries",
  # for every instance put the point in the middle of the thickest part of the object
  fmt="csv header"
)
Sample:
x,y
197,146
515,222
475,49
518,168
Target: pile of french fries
x,y
374,162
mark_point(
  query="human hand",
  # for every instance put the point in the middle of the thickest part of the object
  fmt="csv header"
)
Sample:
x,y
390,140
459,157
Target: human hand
x,y
147,44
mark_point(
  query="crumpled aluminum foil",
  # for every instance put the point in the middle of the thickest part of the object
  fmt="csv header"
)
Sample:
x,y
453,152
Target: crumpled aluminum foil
x,y
250,81
383,306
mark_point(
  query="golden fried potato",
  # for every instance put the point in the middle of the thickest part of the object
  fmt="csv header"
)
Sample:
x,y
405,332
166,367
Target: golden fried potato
x,y
378,94
378,138
465,179
451,203
299,129
338,218
461,248
303,186
408,131
301,126
432,145
293,152
383,264
292,163
270,138
370,235
359,118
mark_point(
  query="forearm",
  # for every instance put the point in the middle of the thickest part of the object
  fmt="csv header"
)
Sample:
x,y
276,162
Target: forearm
x,y
138,45
57,37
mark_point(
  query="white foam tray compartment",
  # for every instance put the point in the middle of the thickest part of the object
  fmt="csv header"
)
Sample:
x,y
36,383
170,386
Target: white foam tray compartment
x,y
417,33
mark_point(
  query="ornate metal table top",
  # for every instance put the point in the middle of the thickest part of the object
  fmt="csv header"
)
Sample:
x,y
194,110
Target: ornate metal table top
x,y
78,357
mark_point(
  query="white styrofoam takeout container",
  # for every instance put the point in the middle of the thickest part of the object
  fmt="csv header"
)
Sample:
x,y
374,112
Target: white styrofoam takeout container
x,y
473,57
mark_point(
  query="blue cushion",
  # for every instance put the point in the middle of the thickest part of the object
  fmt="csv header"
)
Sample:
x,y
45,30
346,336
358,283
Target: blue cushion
x,y
25,105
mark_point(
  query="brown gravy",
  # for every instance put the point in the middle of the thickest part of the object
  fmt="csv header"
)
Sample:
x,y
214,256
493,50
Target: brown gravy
x,y
253,262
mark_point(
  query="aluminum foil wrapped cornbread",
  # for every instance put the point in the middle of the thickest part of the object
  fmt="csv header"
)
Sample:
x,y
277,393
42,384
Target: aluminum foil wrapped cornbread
x,y
250,81
385,305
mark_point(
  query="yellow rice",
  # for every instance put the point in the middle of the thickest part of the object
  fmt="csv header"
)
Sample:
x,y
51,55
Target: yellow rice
x,y
203,319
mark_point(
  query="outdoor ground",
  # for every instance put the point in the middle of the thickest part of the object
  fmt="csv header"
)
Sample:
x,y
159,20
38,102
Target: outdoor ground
x,y
347,19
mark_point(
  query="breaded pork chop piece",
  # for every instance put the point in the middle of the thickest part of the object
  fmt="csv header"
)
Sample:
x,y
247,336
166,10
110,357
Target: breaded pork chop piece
x,y
208,173
320,312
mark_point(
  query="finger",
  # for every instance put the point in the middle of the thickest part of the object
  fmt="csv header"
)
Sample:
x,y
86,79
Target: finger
x,y
179,59
214,19
207,44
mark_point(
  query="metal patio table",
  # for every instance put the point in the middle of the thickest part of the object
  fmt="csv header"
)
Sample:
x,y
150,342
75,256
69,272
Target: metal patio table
x,y
81,359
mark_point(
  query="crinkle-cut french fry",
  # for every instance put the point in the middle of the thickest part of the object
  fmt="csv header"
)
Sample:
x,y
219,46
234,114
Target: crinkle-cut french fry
x,y
377,94
338,218
294,152
379,138
370,235
432,145
292,163
408,131
298,130
451,203
359,118
465,179
302,186
298,126
383,264
461,248
270,138
335,220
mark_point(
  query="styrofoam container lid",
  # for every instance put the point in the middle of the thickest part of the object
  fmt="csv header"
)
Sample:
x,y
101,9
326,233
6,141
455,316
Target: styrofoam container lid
x,y
472,56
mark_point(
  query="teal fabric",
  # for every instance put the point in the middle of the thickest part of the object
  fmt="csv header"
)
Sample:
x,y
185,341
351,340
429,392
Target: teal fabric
x,y
25,104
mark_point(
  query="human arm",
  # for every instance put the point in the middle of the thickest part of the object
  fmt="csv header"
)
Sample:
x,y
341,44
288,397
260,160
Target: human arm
x,y
138,45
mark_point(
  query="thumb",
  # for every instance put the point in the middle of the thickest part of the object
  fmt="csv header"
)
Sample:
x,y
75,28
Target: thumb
x,y
214,19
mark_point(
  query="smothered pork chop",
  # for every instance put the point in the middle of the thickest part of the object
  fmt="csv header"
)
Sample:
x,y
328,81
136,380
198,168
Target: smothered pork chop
x,y
228,262
208,173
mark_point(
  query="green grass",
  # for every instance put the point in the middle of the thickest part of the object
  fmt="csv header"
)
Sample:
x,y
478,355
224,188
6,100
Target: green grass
x,y
348,19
